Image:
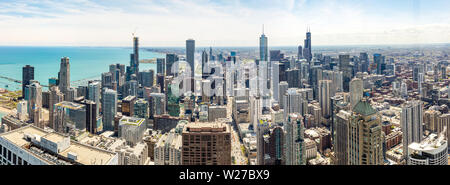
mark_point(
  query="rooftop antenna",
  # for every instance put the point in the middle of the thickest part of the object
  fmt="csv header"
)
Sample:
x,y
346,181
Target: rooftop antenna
x,y
263,29
134,33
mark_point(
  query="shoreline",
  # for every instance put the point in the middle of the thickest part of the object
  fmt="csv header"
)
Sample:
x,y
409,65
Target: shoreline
x,y
5,110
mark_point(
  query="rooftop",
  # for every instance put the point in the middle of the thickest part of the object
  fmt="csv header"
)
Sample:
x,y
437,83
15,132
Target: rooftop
x,y
85,154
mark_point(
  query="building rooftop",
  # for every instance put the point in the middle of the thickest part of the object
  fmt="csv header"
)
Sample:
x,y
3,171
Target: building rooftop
x,y
70,105
131,121
364,108
85,154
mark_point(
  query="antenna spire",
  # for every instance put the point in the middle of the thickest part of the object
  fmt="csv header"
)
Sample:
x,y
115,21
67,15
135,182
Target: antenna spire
x,y
263,29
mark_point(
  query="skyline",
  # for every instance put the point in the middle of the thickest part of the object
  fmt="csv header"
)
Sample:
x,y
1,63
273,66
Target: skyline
x,y
222,23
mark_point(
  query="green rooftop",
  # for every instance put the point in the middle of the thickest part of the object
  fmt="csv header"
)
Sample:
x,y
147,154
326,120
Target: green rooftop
x,y
364,108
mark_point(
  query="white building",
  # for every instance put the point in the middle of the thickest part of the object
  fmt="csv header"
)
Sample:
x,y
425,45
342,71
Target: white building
x,y
31,145
431,151
168,149
132,129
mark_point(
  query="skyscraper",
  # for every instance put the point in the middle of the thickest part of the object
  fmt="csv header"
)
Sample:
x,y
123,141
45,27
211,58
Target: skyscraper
x,y
356,91
411,121
161,65
35,103
190,51
365,138
341,139
324,97
263,47
300,52
205,72
27,75
109,108
64,76
307,51
379,61
55,97
344,66
170,60
213,151
94,93
294,149
135,65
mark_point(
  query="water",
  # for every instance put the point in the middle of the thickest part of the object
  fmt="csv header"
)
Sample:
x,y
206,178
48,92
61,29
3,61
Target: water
x,y
85,62
1,115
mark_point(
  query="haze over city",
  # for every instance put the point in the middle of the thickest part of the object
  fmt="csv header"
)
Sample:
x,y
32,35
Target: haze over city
x,y
222,23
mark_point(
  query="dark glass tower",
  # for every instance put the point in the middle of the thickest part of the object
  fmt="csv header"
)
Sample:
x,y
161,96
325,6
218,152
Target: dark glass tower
x,y
27,75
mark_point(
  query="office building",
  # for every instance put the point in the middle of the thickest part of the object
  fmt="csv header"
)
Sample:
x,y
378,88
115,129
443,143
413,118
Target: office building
x,y
27,76
168,149
365,136
433,150
109,108
190,58
128,105
294,149
325,97
55,97
263,48
132,129
31,145
34,92
64,76
344,66
411,120
215,140
356,91
69,116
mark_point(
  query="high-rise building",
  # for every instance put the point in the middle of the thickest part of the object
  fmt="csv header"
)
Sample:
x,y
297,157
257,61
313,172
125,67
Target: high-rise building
x,y
294,149
433,150
146,78
283,87
263,48
205,72
141,108
109,108
157,104
160,65
262,134
300,52
94,93
55,97
135,61
307,51
379,61
132,129
356,91
64,76
295,102
412,123
342,125
170,60
214,139
325,97
128,105
69,116
27,75
344,66
365,136
35,103
190,51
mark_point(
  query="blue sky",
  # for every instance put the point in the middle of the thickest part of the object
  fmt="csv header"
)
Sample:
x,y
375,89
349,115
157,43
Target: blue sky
x,y
222,23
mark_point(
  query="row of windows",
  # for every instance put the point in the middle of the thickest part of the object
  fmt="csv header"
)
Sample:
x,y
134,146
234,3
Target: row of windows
x,y
9,157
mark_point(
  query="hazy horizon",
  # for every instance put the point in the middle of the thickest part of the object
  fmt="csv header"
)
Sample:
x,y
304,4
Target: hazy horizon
x,y
166,23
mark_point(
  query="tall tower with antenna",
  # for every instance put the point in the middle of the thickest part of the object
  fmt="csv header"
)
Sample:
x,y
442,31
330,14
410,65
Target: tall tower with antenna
x,y
263,48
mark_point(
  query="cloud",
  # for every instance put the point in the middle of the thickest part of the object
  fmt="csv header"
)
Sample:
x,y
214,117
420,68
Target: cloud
x,y
216,23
